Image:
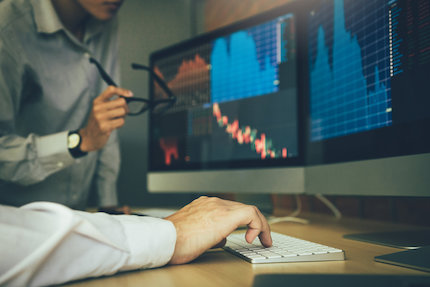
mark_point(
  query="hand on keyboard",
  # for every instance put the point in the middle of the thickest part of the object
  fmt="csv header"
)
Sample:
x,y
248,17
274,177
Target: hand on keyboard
x,y
207,221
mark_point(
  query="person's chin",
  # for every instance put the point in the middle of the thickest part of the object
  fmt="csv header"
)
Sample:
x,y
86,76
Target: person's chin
x,y
105,16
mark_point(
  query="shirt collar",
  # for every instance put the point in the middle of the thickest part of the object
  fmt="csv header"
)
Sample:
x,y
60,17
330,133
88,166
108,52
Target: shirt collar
x,y
46,17
47,20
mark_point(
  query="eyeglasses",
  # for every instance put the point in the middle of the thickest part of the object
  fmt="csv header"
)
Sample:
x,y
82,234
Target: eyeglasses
x,y
136,105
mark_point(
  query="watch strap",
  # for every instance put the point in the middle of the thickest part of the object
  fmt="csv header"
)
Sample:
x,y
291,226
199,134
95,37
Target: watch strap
x,y
76,152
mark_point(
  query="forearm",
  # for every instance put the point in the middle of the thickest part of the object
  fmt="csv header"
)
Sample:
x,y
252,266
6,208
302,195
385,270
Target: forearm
x,y
58,245
30,160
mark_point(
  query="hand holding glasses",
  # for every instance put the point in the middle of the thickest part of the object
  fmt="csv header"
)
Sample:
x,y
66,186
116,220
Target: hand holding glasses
x,y
138,106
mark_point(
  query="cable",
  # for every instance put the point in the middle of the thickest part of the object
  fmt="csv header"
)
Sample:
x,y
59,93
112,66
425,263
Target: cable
x,y
274,219
298,206
292,217
337,214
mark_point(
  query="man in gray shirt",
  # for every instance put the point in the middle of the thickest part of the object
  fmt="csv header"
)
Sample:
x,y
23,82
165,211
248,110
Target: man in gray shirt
x,y
58,120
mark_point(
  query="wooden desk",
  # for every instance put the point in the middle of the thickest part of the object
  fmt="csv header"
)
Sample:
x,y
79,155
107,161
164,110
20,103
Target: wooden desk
x,y
219,268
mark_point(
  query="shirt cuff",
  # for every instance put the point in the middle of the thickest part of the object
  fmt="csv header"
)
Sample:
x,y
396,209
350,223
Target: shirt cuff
x,y
54,145
151,241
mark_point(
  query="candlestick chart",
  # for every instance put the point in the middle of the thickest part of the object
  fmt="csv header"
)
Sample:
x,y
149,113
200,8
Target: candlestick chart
x,y
247,135
236,96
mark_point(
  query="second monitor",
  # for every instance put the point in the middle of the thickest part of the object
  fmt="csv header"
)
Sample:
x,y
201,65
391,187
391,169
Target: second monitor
x,y
235,126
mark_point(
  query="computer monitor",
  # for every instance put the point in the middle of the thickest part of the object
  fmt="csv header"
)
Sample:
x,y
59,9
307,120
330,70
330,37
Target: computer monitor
x,y
368,98
236,125
316,97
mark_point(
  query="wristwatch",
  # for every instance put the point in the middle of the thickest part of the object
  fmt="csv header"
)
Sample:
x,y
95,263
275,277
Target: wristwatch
x,y
74,144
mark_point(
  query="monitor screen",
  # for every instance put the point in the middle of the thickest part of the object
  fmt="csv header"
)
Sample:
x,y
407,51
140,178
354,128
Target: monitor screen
x,y
368,78
367,86
236,98
237,107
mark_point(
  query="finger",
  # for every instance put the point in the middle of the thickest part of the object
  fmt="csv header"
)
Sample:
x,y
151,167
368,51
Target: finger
x,y
251,234
117,123
258,226
109,126
115,113
111,91
102,107
266,238
265,235
113,104
253,221
126,209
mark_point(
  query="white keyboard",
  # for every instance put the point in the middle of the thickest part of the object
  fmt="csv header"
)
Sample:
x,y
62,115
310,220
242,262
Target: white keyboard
x,y
284,249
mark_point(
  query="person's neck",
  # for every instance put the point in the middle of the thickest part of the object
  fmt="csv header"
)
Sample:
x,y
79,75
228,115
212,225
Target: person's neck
x,y
72,15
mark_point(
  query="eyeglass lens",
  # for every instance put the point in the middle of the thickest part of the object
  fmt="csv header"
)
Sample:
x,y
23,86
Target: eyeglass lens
x,y
136,107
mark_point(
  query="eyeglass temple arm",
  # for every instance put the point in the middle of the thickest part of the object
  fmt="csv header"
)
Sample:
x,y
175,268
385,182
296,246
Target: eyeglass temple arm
x,y
103,73
156,78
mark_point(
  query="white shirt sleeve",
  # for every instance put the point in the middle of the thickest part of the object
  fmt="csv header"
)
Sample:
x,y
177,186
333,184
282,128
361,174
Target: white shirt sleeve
x,y
47,243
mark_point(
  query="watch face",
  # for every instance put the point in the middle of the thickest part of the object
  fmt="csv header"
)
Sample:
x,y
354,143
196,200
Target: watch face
x,y
73,140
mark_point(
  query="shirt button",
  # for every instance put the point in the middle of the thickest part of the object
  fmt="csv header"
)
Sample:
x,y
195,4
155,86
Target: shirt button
x,y
60,164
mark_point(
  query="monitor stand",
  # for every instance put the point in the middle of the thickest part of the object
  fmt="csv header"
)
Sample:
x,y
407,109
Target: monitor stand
x,y
406,239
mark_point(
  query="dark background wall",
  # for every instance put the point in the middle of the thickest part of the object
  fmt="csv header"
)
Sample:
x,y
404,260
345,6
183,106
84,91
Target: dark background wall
x,y
146,26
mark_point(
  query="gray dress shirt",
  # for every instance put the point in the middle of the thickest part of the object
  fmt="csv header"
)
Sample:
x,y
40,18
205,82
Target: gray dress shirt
x,y
47,86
